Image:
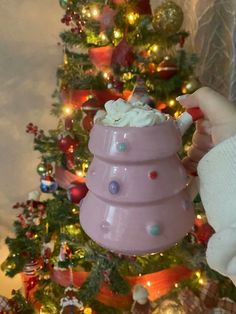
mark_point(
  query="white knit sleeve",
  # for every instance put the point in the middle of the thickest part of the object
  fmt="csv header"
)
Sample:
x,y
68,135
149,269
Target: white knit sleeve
x,y
217,175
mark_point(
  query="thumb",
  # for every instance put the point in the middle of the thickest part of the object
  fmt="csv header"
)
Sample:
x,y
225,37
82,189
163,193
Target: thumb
x,y
215,107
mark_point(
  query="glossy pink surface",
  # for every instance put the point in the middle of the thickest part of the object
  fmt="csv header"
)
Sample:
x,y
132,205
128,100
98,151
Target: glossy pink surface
x,y
137,203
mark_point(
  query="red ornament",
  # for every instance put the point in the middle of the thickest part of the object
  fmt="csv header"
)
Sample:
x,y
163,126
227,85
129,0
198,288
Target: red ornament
x,y
68,124
68,144
144,7
76,192
153,175
90,107
122,53
101,57
151,67
203,233
87,123
167,69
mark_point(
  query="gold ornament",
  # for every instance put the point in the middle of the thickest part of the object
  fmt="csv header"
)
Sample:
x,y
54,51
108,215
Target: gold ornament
x,y
191,85
170,307
168,17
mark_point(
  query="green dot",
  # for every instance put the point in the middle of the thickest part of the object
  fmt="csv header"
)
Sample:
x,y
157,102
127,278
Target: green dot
x,y
122,147
154,230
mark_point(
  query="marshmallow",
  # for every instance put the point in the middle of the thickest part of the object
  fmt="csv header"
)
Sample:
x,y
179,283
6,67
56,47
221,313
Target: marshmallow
x,y
120,113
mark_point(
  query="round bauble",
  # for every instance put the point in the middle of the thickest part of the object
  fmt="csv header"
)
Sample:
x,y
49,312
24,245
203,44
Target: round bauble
x,y
48,184
168,18
64,3
166,69
67,144
76,192
87,123
43,169
91,106
190,85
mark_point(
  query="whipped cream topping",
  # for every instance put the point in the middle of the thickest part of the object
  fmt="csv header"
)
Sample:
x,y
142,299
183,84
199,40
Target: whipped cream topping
x,y
121,113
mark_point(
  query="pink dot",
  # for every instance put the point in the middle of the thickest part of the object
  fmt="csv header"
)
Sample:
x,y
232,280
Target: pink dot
x,y
153,175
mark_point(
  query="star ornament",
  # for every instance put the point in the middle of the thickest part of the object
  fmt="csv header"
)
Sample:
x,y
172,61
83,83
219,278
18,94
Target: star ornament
x,y
106,18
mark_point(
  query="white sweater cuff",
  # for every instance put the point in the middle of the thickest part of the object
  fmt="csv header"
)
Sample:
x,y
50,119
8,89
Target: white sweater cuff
x,y
217,174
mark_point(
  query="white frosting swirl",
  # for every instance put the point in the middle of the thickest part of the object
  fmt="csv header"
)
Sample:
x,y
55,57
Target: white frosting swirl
x,y
121,113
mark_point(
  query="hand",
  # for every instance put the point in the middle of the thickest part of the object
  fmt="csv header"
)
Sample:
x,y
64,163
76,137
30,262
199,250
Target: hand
x,y
219,123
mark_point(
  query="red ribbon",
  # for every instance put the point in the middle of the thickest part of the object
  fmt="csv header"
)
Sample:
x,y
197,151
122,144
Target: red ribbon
x,y
157,284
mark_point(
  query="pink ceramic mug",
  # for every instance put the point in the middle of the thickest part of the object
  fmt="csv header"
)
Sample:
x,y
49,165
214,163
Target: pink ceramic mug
x,y
137,201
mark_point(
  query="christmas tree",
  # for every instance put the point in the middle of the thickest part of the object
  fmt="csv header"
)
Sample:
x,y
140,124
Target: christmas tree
x,y
112,49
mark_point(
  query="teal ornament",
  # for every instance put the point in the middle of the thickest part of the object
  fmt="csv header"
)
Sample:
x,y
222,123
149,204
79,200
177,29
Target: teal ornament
x,y
121,147
63,3
154,230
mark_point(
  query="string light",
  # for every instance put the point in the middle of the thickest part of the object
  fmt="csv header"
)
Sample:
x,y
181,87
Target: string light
x,y
103,36
95,12
172,102
132,17
148,283
79,173
176,285
65,59
201,281
117,34
67,110
74,210
199,216
106,75
155,48
198,274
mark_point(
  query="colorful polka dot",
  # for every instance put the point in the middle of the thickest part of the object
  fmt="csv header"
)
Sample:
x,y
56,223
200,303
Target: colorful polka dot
x,y
154,230
153,175
122,147
114,187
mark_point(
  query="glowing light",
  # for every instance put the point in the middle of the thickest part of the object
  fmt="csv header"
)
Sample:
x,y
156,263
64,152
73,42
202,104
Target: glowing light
x,y
177,113
117,34
103,36
201,281
88,14
71,226
74,210
36,236
95,12
106,75
84,11
155,48
176,285
148,283
88,310
79,173
132,17
172,102
67,110
140,275
65,59
13,255
161,254
198,274
199,217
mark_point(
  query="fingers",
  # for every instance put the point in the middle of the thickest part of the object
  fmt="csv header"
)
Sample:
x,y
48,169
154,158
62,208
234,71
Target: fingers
x,y
190,165
215,107
202,141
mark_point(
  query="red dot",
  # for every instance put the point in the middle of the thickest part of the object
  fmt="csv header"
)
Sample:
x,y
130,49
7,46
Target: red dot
x,y
153,175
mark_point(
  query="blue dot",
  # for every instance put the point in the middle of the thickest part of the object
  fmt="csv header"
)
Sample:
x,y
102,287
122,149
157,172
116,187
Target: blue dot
x,y
154,230
122,147
114,187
